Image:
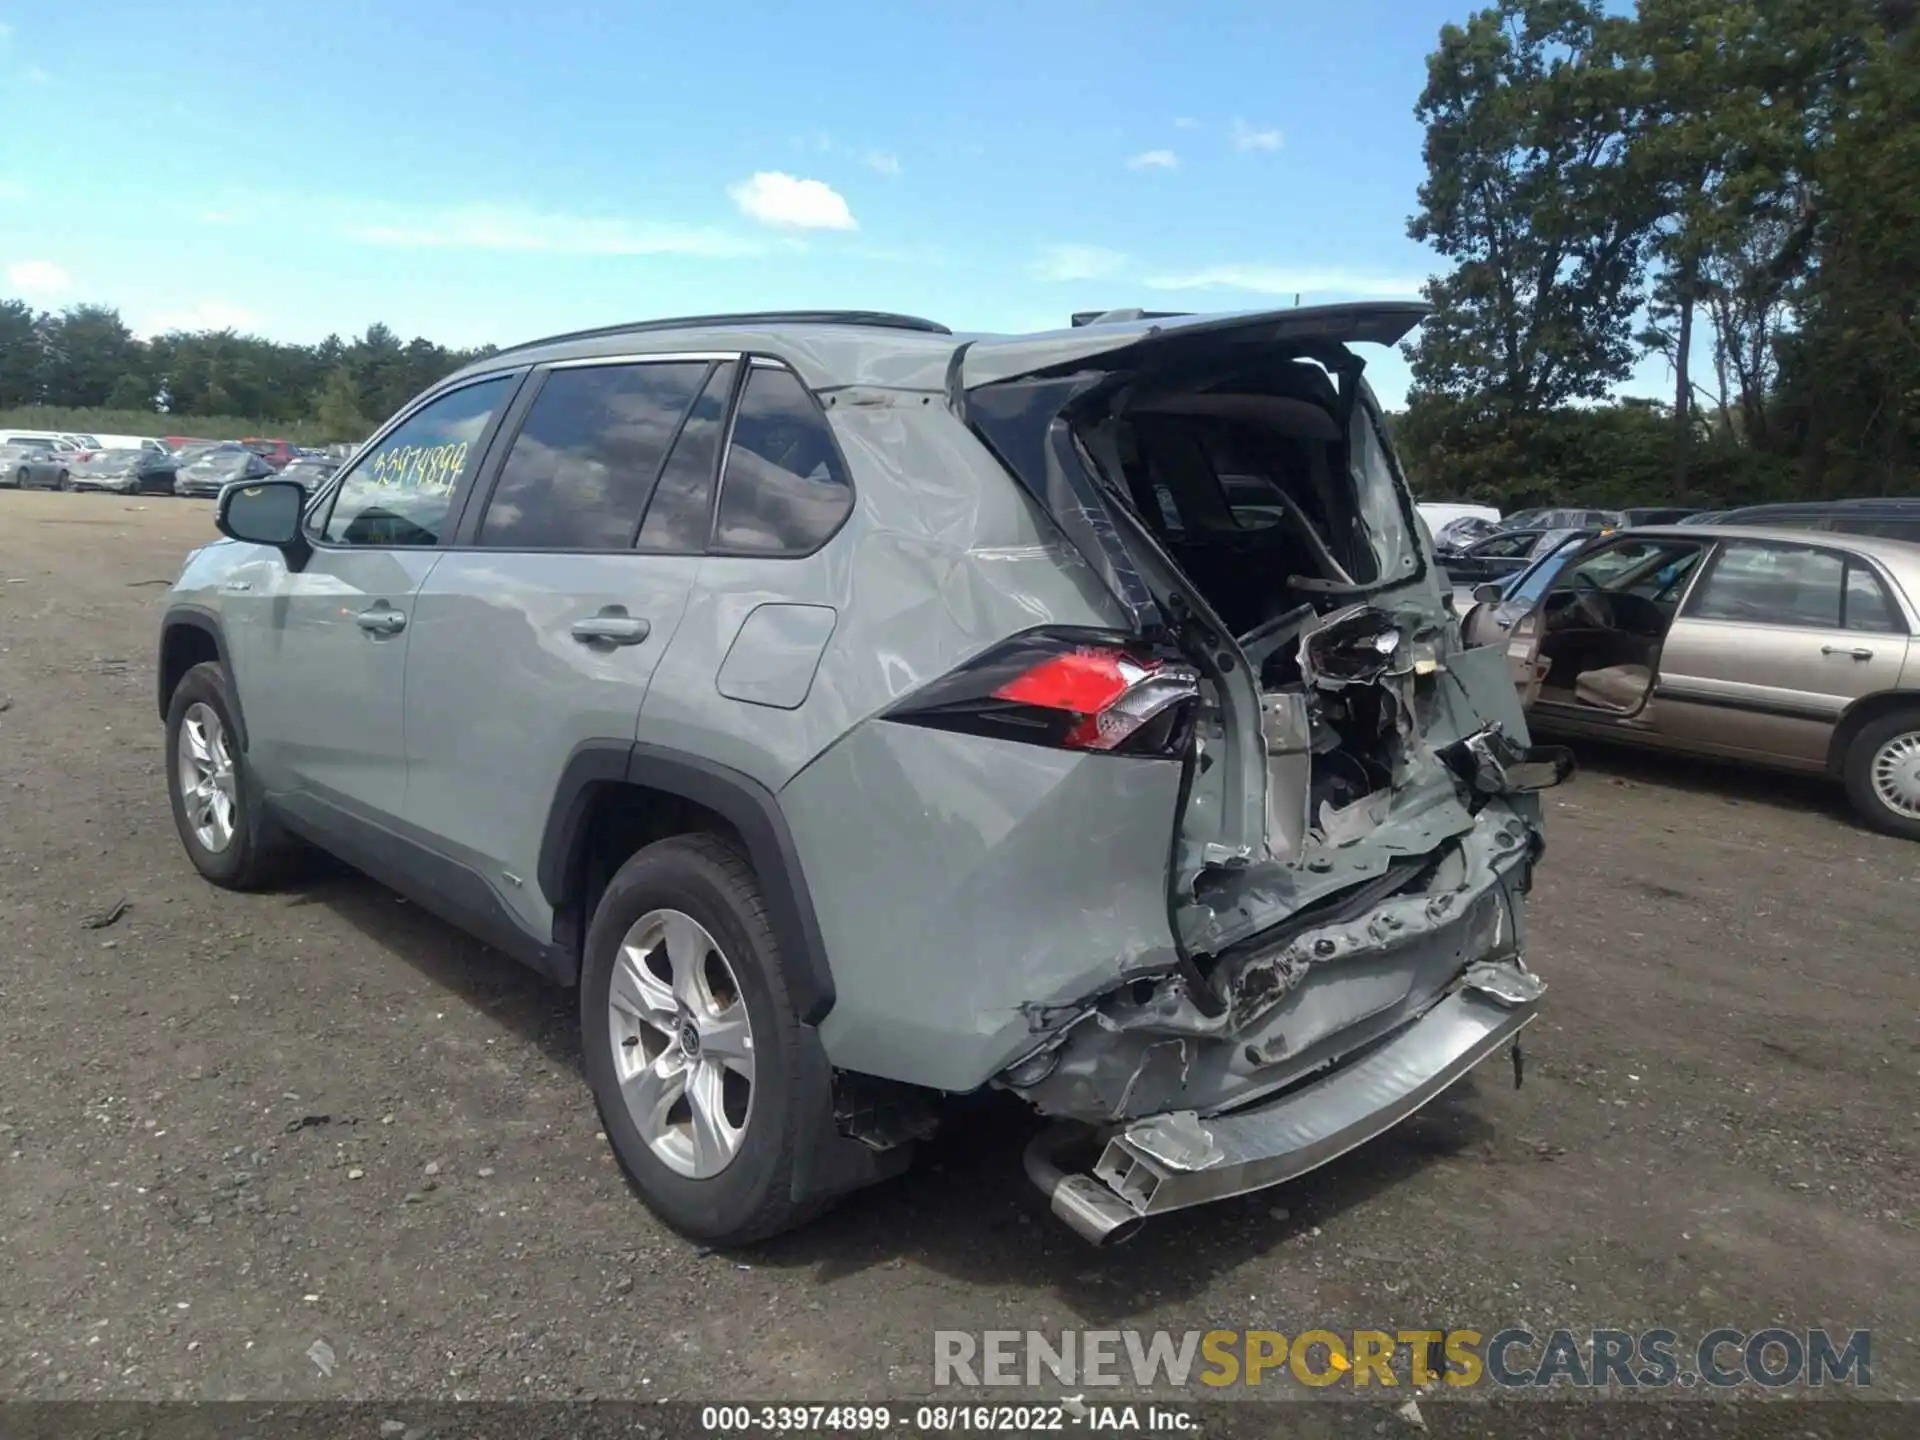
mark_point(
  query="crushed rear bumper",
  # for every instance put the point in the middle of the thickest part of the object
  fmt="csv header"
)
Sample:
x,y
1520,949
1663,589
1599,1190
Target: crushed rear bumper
x,y
1171,1161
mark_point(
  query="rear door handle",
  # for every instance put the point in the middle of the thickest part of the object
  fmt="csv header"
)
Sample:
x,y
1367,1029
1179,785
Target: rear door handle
x,y
1856,652
611,627
381,620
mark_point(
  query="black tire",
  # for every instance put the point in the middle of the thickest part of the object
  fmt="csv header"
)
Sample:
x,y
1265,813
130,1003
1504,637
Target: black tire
x,y
752,1198
20,477
260,852
66,481
1867,801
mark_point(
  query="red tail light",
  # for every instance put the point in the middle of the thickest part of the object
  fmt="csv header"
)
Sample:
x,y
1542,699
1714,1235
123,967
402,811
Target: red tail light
x,y
1073,691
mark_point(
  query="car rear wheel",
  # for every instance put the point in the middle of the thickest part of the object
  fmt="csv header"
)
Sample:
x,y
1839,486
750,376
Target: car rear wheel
x,y
691,1042
1883,773
227,833
66,481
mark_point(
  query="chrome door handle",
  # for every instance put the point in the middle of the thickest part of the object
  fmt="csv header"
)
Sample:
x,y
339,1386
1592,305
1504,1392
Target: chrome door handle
x,y
1856,652
381,621
611,627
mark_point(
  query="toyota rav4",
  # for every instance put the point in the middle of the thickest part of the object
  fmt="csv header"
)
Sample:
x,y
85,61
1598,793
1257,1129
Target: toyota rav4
x,y
859,713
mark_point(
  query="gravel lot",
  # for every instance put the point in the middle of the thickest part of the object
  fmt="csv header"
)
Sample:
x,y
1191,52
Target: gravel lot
x,y
232,1126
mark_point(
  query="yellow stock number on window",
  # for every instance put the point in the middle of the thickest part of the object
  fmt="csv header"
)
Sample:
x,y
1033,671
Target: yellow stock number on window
x,y
419,467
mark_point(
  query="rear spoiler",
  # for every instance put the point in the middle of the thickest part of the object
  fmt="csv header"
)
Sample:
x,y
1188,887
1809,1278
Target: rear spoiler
x,y
1130,339
1112,317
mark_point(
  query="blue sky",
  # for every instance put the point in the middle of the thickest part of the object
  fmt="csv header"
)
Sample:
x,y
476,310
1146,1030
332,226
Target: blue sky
x,y
485,171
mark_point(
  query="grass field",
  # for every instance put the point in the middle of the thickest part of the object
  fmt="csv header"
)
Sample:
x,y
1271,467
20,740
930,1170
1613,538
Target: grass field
x,y
146,422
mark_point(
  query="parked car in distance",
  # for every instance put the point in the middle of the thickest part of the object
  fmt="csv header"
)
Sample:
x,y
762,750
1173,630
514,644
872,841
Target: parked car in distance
x,y
1440,513
1655,515
1501,554
1896,519
310,471
1458,534
209,471
1498,603
1781,648
134,442
277,453
32,465
61,445
592,651
1703,517
128,472
1549,518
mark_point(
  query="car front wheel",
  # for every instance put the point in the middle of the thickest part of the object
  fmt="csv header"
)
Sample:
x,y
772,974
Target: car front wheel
x,y
65,481
691,1042
227,833
1883,773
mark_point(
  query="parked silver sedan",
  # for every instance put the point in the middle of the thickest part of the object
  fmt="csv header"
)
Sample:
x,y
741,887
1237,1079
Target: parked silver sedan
x,y
1786,649
32,467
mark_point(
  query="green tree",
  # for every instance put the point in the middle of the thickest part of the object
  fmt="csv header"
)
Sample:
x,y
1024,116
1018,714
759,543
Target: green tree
x,y
84,353
338,409
1530,195
19,353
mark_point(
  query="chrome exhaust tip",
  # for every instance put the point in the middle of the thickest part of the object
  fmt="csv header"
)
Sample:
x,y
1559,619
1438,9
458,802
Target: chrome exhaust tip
x,y
1091,1210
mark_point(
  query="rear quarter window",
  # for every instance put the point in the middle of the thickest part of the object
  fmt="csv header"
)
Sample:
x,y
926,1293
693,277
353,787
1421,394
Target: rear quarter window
x,y
784,489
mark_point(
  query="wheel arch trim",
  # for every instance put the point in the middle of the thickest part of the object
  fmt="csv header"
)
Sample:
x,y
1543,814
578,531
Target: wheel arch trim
x,y
194,617
748,806
1860,714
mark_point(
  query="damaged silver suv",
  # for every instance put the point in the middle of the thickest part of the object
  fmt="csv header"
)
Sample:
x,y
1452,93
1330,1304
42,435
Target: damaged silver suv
x,y
859,713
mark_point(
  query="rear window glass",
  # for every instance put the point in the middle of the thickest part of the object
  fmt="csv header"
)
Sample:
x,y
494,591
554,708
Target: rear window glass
x,y
785,488
682,506
583,464
1868,605
1762,584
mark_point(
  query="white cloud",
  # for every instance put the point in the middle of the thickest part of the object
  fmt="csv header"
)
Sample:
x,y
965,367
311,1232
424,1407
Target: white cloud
x,y
883,161
775,198
1245,137
34,75
1154,160
12,190
1186,122
491,227
207,315
1078,262
37,277
6,32
1277,280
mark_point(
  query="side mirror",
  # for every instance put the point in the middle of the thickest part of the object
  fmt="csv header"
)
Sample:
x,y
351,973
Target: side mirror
x,y
1488,593
265,512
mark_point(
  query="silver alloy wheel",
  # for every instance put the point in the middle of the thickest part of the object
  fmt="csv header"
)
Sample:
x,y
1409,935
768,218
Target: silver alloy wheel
x,y
1895,772
682,1043
207,788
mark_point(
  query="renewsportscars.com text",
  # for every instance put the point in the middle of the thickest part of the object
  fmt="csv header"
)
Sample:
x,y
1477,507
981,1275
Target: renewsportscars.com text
x,y
1511,1358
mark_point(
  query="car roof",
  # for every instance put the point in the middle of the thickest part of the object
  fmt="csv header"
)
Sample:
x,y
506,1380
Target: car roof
x,y
832,349
1900,556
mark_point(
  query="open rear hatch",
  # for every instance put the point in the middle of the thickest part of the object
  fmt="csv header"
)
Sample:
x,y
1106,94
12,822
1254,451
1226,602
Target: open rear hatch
x,y
1231,482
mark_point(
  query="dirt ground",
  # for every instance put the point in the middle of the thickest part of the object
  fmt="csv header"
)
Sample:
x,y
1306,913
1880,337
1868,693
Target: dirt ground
x,y
232,1126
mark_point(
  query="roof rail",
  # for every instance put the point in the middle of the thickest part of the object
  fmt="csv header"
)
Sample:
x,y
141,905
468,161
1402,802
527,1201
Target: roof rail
x,y
874,319
1115,317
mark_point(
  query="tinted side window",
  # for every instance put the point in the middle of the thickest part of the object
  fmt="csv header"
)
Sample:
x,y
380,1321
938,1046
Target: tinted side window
x,y
581,468
399,491
682,508
1772,585
1869,607
785,489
